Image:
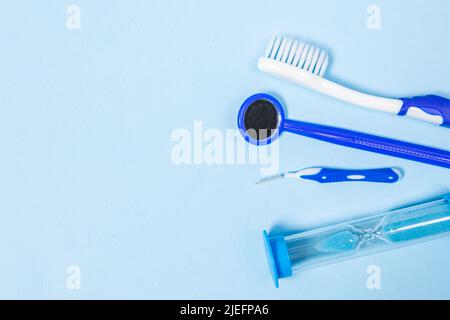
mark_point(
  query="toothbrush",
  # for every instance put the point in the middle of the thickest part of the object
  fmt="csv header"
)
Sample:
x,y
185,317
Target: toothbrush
x,y
305,64
333,175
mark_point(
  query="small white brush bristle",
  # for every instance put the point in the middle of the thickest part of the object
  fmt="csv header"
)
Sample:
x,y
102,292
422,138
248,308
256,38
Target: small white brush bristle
x,y
299,54
270,179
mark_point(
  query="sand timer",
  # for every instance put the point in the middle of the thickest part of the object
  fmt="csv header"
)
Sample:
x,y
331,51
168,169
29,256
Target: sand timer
x,y
379,232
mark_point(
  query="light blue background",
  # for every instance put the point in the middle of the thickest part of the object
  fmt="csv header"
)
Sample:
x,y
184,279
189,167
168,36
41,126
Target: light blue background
x,y
86,118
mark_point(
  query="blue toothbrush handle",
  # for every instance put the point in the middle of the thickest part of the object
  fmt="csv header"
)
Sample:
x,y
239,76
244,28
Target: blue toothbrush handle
x,y
372,143
429,108
331,175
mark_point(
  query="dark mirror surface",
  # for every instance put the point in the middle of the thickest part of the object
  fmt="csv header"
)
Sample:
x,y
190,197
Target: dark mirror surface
x,y
261,119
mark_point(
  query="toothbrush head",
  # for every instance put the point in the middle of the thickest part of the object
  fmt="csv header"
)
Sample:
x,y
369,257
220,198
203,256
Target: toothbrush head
x,y
298,54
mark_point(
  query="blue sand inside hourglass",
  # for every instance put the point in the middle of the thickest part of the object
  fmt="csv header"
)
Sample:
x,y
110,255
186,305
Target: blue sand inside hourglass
x,y
339,242
409,226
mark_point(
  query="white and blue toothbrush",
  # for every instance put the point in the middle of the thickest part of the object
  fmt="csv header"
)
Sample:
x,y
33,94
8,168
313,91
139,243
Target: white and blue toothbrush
x,y
334,175
305,64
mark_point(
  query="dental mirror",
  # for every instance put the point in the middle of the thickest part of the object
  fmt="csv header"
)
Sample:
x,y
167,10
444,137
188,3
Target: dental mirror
x,y
261,119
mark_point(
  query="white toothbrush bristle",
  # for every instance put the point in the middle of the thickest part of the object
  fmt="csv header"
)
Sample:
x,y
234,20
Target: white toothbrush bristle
x,y
299,54
269,48
270,179
292,51
287,49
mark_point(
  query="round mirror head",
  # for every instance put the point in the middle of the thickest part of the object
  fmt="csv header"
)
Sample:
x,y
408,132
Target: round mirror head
x,y
260,118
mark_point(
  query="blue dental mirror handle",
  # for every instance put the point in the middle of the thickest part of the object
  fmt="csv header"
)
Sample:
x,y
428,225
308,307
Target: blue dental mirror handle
x,y
367,142
332,175
261,120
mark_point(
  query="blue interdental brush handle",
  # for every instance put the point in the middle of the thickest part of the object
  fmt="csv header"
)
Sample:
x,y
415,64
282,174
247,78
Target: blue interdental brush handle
x,y
332,175
362,141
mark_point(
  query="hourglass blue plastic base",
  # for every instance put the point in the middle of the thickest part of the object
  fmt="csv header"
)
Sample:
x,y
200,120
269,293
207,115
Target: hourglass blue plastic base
x,y
277,257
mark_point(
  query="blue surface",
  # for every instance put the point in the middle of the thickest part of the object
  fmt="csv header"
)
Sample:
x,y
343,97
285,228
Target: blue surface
x,y
86,122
